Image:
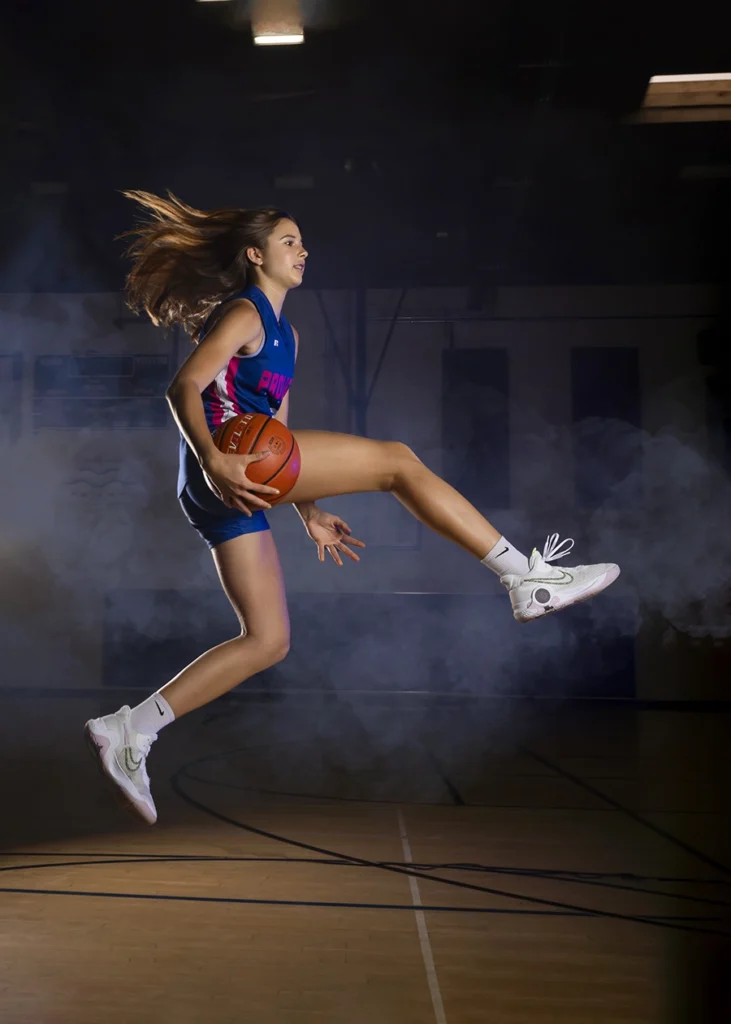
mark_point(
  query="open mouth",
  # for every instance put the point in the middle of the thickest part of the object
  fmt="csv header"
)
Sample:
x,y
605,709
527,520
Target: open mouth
x,y
300,267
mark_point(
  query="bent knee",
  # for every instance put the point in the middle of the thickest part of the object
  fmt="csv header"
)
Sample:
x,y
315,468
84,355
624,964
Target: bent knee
x,y
402,461
402,452
280,651
274,648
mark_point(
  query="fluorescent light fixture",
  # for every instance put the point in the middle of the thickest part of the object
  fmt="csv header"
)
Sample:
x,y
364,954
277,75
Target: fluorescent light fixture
x,y
724,76
277,39
277,22
678,98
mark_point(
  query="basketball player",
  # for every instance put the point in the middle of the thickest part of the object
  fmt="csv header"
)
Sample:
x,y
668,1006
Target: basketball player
x,y
224,276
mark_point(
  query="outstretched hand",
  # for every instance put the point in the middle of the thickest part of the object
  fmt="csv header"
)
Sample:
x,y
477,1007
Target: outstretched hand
x,y
331,534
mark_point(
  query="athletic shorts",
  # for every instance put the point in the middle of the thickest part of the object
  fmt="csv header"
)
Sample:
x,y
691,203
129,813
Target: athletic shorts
x,y
207,514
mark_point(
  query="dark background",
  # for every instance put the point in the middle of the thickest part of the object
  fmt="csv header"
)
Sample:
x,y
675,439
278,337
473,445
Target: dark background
x,y
455,142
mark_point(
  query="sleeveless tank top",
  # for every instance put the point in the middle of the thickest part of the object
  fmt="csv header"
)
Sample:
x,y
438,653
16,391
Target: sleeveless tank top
x,y
251,383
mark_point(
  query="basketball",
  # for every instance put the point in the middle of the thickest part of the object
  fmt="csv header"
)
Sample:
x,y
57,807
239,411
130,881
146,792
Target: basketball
x,y
256,432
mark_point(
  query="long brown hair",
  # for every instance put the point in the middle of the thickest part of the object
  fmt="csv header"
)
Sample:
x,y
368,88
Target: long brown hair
x,y
186,261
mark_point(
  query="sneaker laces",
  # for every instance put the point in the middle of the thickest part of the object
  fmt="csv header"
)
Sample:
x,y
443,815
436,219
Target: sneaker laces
x,y
552,548
144,743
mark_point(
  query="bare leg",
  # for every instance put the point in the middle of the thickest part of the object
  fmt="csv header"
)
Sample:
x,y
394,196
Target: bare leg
x,y
251,577
346,464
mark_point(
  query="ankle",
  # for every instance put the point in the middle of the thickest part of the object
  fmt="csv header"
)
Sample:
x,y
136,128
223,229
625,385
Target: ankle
x,y
152,715
503,559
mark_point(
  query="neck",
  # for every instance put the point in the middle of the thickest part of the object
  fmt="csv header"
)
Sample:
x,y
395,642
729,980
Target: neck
x,y
276,294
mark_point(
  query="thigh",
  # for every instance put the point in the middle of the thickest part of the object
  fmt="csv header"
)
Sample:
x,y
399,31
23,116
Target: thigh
x,y
251,576
345,464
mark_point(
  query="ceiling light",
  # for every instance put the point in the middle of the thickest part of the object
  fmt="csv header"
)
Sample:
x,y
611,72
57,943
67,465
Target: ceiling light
x,y
723,76
276,39
697,97
277,22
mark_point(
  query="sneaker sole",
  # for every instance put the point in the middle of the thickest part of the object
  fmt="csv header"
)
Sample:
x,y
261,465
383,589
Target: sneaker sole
x,y
592,591
120,794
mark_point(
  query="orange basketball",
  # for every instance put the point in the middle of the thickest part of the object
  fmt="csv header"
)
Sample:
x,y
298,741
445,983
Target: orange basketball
x,y
256,432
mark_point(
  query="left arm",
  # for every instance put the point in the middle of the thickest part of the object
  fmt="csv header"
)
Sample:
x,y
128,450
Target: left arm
x,y
329,532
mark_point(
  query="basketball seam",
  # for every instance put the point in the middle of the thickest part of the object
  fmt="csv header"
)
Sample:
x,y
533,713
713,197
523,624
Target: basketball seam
x,y
279,470
256,442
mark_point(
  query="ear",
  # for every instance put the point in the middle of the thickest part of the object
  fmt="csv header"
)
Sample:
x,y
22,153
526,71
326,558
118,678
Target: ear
x,y
254,256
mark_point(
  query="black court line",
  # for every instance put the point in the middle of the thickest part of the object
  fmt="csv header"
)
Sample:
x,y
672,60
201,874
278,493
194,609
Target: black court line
x,y
441,866
522,897
107,860
457,798
628,812
667,920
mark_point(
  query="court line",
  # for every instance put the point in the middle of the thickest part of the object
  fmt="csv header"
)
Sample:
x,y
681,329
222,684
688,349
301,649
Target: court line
x,y
657,829
424,941
454,793
103,859
324,904
634,918
572,873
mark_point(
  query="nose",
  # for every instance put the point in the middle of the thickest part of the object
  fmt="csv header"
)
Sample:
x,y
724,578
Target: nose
x,y
304,253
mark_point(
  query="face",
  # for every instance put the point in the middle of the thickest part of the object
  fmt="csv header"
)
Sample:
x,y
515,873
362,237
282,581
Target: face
x,y
283,258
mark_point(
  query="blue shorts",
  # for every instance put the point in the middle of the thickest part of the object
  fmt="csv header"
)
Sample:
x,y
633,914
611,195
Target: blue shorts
x,y
207,514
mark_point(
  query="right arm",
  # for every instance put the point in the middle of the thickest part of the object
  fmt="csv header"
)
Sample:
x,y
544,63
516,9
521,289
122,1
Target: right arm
x,y
239,328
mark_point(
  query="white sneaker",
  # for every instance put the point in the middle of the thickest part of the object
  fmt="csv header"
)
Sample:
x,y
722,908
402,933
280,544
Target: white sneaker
x,y
546,588
120,753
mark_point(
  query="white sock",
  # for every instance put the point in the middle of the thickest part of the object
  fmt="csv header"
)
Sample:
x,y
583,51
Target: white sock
x,y
151,715
504,559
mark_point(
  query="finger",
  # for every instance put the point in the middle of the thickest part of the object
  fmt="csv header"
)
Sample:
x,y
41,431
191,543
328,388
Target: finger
x,y
251,499
261,488
349,553
248,495
342,526
258,456
320,553
356,543
235,503
335,555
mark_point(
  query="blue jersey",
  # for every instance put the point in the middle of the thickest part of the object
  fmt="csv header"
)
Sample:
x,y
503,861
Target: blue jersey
x,y
251,383
257,382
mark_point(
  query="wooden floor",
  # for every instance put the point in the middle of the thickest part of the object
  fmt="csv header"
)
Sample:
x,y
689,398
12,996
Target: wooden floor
x,y
369,864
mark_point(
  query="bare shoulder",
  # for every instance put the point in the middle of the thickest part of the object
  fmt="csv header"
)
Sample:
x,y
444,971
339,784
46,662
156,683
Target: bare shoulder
x,y
238,329
238,325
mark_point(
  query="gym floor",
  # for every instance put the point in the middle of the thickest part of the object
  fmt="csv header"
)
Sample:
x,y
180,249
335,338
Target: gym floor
x,y
392,861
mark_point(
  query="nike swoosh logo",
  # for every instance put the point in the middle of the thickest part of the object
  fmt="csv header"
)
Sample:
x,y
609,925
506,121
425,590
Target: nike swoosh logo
x,y
130,763
566,577
159,709
502,553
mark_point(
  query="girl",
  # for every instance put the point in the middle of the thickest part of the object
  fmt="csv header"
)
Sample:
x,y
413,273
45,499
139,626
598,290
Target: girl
x,y
224,275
